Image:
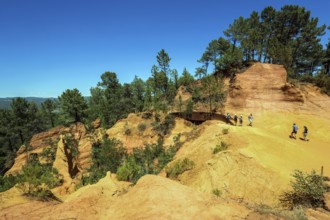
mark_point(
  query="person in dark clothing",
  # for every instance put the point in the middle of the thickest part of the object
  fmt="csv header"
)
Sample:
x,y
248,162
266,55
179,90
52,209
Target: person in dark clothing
x,y
235,119
228,118
305,133
241,120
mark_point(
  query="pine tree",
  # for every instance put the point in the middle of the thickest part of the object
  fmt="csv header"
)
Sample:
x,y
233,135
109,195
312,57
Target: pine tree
x,y
73,104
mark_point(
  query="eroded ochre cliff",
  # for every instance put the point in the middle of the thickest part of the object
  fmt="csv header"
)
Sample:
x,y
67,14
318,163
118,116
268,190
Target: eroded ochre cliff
x,y
254,170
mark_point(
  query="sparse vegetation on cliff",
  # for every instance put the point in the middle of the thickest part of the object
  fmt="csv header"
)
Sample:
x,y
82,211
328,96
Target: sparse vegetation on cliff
x,y
220,147
150,159
107,155
179,167
36,180
307,191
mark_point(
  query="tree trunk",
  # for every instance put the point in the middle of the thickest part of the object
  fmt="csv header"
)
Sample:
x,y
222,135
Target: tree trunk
x,y
52,121
312,67
21,136
234,45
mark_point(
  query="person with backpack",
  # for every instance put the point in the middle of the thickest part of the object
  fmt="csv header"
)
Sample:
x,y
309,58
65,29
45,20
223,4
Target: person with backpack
x,y
235,119
228,118
294,130
305,133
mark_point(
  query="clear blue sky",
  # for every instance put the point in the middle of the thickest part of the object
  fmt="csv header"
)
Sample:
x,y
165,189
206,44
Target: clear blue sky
x,y
48,46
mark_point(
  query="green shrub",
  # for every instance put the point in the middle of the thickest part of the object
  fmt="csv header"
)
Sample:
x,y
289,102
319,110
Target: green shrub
x,y
220,147
157,117
168,123
179,167
189,108
146,115
166,156
49,152
164,128
217,192
37,180
71,144
296,213
128,132
6,182
196,93
130,171
307,191
322,80
142,127
176,140
150,159
307,78
107,155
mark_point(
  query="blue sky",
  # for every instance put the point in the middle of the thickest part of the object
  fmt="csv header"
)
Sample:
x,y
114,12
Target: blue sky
x,y
48,46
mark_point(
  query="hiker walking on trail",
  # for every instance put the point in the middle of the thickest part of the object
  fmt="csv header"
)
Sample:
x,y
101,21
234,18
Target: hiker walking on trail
x,y
305,133
250,119
228,117
241,120
235,119
294,130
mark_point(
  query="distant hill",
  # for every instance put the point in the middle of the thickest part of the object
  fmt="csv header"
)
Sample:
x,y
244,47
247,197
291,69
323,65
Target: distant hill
x,y
5,102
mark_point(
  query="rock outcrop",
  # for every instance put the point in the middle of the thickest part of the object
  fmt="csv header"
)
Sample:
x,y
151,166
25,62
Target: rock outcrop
x,y
37,144
264,87
68,165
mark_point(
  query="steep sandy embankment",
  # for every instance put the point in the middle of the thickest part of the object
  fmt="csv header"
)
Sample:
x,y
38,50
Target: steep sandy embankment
x,y
259,162
264,87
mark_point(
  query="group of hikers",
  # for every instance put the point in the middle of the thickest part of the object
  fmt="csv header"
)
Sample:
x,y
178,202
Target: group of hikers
x,y
240,119
250,118
295,131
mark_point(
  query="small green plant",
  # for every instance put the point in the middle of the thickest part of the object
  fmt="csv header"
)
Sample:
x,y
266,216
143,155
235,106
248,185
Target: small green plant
x,y
307,191
128,132
177,142
146,115
164,127
71,145
220,147
225,130
142,127
217,192
179,167
296,213
130,170
49,153
127,129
